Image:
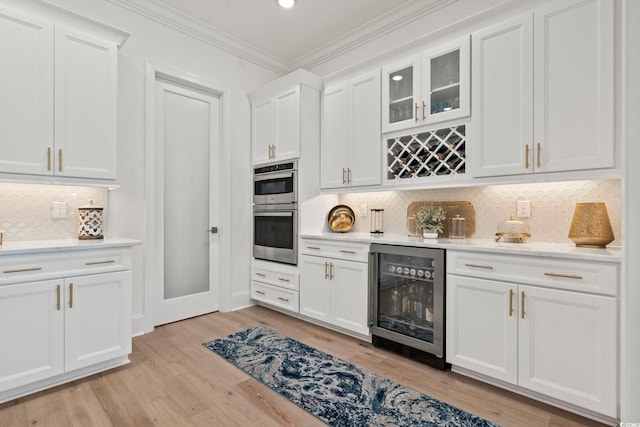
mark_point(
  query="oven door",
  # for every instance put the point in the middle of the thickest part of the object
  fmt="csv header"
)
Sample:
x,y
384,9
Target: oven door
x,y
275,187
275,233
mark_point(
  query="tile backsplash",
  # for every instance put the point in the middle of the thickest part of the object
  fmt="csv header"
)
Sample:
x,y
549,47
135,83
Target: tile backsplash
x,y
552,206
26,210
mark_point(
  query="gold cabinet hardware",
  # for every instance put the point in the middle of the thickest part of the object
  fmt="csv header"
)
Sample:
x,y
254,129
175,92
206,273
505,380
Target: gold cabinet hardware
x,y
60,160
330,271
344,251
326,270
423,107
510,302
526,156
260,292
48,158
99,262
538,155
416,112
282,279
21,270
566,276
344,181
487,267
71,295
261,274
273,151
348,175
522,306
58,297
315,248
283,299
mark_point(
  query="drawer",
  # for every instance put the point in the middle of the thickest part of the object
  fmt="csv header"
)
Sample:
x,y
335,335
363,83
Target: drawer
x,y
582,276
283,298
276,275
336,249
33,267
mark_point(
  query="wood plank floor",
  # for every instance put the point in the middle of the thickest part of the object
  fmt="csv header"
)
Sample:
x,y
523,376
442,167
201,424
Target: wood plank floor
x,y
174,381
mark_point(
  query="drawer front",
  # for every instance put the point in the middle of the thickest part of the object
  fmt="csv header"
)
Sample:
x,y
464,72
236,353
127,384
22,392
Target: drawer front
x,y
582,276
338,250
285,278
273,295
32,267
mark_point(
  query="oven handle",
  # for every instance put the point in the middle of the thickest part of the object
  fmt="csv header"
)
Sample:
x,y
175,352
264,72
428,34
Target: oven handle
x,y
273,175
273,213
373,288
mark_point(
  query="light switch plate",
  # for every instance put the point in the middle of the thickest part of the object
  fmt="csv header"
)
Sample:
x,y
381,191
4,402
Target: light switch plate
x,y
523,208
59,209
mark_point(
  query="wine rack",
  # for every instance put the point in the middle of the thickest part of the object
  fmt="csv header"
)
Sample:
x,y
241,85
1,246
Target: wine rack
x,y
425,154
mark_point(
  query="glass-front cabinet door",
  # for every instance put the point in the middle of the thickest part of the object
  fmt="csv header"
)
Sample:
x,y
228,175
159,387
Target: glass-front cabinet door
x,y
400,93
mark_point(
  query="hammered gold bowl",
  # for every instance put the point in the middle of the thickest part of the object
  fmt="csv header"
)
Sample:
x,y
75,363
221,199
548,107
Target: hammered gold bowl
x,y
341,218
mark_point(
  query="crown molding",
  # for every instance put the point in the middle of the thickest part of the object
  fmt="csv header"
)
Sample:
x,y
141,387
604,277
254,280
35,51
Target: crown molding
x,y
170,17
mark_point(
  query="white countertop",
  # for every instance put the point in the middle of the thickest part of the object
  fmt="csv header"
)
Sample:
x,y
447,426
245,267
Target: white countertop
x,y
555,250
40,246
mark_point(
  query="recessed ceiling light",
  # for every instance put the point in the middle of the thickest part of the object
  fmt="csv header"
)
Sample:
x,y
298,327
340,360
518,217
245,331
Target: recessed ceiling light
x,y
396,78
286,3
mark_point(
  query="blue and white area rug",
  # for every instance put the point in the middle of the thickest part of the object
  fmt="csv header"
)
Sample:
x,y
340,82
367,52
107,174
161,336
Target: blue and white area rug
x,y
335,391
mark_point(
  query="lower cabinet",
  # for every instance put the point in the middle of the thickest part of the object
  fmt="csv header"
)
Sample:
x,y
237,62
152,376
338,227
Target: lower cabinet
x,y
555,342
275,284
334,290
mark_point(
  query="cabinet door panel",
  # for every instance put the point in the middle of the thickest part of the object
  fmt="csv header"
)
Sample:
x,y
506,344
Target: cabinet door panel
x,y
315,292
482,332
86,106
349,295
567,347
26,85
262,131
96,329
287,137
335,130
32,333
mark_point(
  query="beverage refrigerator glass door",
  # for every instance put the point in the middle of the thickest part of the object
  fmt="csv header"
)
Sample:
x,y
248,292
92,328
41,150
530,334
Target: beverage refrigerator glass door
x,y
406,295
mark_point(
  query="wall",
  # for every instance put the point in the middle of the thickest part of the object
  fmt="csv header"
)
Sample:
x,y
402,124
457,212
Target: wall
x,y
552,206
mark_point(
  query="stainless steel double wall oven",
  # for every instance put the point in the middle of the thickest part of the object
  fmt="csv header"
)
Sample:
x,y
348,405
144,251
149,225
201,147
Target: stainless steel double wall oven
x,y
275,212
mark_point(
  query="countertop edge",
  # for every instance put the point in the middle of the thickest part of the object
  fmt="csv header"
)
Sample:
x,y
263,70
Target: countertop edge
x,y
44,246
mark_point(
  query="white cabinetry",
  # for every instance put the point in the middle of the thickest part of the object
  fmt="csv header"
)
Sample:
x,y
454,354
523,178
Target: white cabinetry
x,y
543,325
543,88
59,101
429,88
70,316
280,111
350,150
275,284
334,285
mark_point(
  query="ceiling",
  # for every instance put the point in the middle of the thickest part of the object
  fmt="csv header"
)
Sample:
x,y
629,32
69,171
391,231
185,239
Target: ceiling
x,y
294,37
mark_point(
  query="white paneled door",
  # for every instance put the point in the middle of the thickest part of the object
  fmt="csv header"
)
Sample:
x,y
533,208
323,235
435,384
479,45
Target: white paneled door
x,y
187,130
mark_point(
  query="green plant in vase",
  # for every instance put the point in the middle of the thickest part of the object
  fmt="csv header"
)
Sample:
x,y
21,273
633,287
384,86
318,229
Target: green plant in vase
x,y
430,219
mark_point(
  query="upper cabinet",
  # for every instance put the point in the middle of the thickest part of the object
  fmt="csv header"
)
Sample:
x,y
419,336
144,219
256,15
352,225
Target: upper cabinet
x,y
277,115
59,100
350,147
429,88
543,91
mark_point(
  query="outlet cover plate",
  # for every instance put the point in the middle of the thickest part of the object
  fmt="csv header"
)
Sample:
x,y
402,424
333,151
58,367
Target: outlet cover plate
x,y
59,209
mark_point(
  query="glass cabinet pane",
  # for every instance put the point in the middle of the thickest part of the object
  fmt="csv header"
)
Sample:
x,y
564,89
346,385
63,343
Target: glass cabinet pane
x,y
401,95
445,82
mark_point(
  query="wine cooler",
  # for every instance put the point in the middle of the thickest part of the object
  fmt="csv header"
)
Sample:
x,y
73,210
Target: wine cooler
x,y
406,297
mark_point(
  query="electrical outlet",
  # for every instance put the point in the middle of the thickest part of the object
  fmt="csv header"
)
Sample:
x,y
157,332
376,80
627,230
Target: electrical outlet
x,y
59,209
364,211
523,208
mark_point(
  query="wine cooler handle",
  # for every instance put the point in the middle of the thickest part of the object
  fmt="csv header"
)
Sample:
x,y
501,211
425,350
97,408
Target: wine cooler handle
x,y
373,288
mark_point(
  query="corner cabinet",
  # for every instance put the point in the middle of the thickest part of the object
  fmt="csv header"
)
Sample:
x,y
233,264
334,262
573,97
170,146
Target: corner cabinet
x,y
334,284
543,91
279,112
546,326
70,313
350,153
59,100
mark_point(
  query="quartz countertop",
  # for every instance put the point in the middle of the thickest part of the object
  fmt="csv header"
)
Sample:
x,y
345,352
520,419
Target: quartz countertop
x,y
542,249
40,246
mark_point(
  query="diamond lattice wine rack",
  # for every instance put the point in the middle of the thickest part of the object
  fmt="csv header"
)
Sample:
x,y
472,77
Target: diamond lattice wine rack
x,y
430,153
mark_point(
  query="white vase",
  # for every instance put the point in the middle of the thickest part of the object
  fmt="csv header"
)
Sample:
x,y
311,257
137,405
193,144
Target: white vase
x,y
429,233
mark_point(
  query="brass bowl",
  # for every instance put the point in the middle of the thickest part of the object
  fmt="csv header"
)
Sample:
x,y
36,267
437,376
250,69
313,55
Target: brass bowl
x,y
341,218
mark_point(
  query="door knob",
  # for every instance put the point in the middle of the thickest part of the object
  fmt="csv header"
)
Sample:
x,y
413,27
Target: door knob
x,y
213,230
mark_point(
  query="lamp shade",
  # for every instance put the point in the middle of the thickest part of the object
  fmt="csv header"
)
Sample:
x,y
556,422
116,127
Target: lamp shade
x,y
590,226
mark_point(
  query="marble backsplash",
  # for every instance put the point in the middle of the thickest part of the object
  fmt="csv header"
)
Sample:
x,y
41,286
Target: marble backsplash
x,y
552,206
26,210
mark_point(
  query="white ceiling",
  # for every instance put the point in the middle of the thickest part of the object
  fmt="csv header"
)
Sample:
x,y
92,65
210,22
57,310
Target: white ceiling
x,y
290,38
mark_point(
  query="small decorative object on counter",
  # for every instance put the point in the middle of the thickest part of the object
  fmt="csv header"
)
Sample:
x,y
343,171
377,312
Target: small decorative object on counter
x,y
377,219
458,228
513,230
429,219
90,222
590,226
1,236
341,218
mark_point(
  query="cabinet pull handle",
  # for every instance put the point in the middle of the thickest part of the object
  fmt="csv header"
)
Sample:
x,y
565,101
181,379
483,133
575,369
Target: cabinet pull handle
x,y
48,158
526,156
522,306
344,251
348,175
282,279
261,274
423,107
488,267
567,276
315,248
416,112
58,297
510,302
99,262
538,152
20,270
330,271
60,160
71,295
259,292
273,151
344,181
283,299
326,270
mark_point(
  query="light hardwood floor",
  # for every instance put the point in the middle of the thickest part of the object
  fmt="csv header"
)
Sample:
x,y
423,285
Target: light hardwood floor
x,y
174,381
